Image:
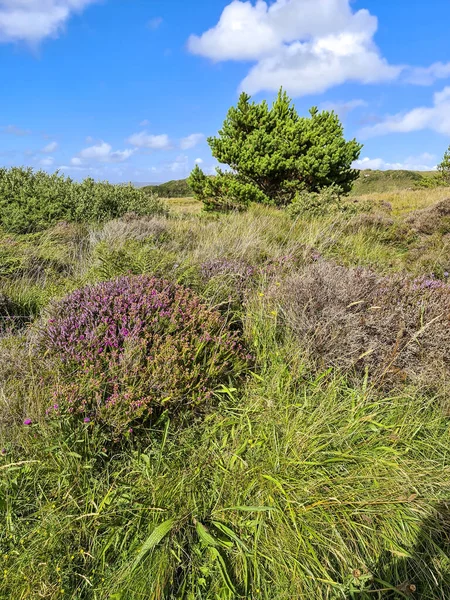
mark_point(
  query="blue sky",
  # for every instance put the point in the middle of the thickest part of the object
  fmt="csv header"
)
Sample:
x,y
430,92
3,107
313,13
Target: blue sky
x,y
128,90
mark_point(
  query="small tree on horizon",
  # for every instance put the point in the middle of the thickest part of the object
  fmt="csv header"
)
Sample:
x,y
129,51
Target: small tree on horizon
x,y
273,153
444,167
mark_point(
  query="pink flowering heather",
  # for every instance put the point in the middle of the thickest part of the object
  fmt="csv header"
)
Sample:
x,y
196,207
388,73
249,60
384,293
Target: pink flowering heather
x,y
132,347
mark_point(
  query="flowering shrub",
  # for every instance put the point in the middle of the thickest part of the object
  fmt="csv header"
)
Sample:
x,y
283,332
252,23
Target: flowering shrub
x,y
134,346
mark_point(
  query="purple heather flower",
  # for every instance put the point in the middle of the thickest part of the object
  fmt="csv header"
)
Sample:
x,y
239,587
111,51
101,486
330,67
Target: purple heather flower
x,y
446,274
3,451
27,422
86,420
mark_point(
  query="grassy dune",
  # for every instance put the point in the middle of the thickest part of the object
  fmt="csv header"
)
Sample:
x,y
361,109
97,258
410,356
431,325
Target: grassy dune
x,y
324,473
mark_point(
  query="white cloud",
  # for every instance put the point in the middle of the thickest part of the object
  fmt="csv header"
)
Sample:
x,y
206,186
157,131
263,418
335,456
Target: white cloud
x,y
33,20
180,165
178,168
47,162
436,118
343,108
49,148
155,23
198,161
146,140
191,141
144,123
102,153
306,46
423,162
427,75
13,130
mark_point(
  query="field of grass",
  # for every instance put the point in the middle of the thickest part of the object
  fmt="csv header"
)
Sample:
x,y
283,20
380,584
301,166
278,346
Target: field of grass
x,y
320,472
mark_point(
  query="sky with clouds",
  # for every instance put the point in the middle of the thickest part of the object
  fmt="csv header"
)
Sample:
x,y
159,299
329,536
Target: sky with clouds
x,y
129,90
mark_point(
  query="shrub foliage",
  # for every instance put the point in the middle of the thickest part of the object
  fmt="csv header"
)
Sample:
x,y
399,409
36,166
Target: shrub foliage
x,y
130,347
274,153
32,201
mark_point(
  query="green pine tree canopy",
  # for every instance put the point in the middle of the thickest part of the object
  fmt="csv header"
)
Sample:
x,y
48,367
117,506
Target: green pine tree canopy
x,y
444,167
273,153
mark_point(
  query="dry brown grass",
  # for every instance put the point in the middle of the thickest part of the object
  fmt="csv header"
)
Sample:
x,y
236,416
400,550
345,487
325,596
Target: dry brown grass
x,y
355,319
405,201
184,206
433,219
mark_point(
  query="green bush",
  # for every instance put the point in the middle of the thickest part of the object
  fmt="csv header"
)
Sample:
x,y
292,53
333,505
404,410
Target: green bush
x,y
317,204
32,201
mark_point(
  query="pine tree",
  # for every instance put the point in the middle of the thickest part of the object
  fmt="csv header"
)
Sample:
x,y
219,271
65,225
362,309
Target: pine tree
x,y
444,167
273,153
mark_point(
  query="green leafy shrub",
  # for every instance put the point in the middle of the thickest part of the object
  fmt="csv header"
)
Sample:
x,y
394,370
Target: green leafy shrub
x,y
273,154
32,201
316,204
132,347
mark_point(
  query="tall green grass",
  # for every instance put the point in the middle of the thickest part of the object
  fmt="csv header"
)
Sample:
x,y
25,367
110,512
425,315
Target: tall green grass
x,y
297,486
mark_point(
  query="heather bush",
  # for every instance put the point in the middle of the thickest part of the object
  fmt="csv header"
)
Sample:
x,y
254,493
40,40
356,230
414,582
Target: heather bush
x,y
433,219
32,201
356,319
133,347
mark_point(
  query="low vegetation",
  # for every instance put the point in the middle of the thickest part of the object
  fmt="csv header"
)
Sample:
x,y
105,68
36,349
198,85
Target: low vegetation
x,y
251,405
368,182
31,202
220,404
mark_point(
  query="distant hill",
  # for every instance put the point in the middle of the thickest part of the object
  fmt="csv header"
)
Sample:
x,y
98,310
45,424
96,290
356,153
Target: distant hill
x,y
369,182
172,189
388,181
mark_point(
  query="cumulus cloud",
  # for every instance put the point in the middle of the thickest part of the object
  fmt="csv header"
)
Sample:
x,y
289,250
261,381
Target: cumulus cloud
x,y
102,153
198,161
436,118
423,162
153,142
49,148
144,123
191,141
306,46
13,130
32,21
